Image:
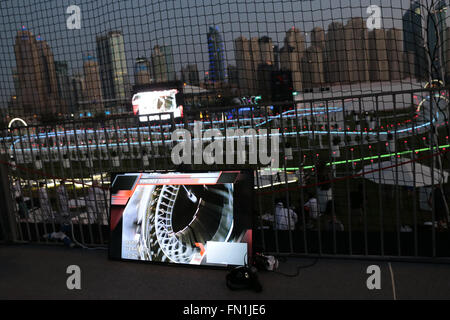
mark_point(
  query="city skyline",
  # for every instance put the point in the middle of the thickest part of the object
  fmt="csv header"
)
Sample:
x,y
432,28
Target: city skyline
x,y
307,67
330,59
182,30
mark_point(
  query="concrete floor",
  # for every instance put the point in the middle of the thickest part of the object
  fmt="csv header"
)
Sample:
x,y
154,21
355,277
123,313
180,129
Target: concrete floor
x,y
39,272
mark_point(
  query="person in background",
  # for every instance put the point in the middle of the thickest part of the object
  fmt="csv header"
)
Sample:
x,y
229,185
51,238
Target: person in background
x,y
23,208
333,224
63,199
285,218
311,210
95,204
44,202
324,191
62,218
17,189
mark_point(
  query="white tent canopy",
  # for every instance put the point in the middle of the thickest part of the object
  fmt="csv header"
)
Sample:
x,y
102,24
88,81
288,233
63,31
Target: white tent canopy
x,y
409,174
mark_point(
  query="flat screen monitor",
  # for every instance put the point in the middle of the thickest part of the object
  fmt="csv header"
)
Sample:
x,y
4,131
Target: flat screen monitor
x,y
193,218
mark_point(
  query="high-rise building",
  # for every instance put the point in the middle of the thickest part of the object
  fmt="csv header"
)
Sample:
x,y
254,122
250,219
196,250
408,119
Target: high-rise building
x,y
313,68
142,72
291,56
447,55
318,38
409,65
276,58
395,54
63,84
264,59
92,86
356,37
170,63
244,64
295,39
436,35
190,75
265,77
378,56
48,62
16,81
13,105
255,58
266,50
160,70
335,54
233,75
217,71
413,39
113,66
36,76
78,91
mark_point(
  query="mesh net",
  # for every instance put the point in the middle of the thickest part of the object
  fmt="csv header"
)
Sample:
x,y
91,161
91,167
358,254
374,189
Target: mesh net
x,y
356,89
62,60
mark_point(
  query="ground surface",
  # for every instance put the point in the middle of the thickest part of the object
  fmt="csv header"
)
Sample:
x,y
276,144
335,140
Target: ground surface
x,y
39,272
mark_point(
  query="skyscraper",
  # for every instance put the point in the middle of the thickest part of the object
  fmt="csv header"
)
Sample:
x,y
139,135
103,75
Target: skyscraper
x,y
48,63
142,71
159,65
170,63
378,63
244,65
413,40
335,54
356,37
255,59
266,50
190,75
265,60
78,91
291,56
436,34
113,66
92,86
276,58
36,76
395,53
447,55
233,75
313,71
217,71
318,37
63,84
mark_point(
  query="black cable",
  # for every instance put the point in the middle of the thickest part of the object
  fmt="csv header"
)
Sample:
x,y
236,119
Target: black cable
x,y
298,269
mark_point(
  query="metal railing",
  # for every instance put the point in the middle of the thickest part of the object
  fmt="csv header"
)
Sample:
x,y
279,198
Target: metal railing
x,y
368,162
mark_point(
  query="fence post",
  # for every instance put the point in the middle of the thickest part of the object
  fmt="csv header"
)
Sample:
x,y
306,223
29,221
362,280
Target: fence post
x,y
7,220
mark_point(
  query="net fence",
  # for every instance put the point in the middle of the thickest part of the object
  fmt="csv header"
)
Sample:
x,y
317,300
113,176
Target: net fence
x,y
68,60
355,92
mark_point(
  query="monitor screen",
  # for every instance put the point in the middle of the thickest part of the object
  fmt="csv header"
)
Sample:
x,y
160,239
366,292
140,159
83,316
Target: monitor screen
x,y
196,218
155,102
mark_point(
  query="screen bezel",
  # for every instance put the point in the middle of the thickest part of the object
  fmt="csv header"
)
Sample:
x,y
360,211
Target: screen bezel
x,y
116,257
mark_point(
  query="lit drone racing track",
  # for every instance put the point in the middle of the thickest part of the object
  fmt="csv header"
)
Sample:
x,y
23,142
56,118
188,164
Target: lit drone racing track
x,y
150,138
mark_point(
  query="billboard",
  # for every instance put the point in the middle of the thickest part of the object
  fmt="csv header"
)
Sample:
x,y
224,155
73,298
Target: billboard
x,y
150,105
